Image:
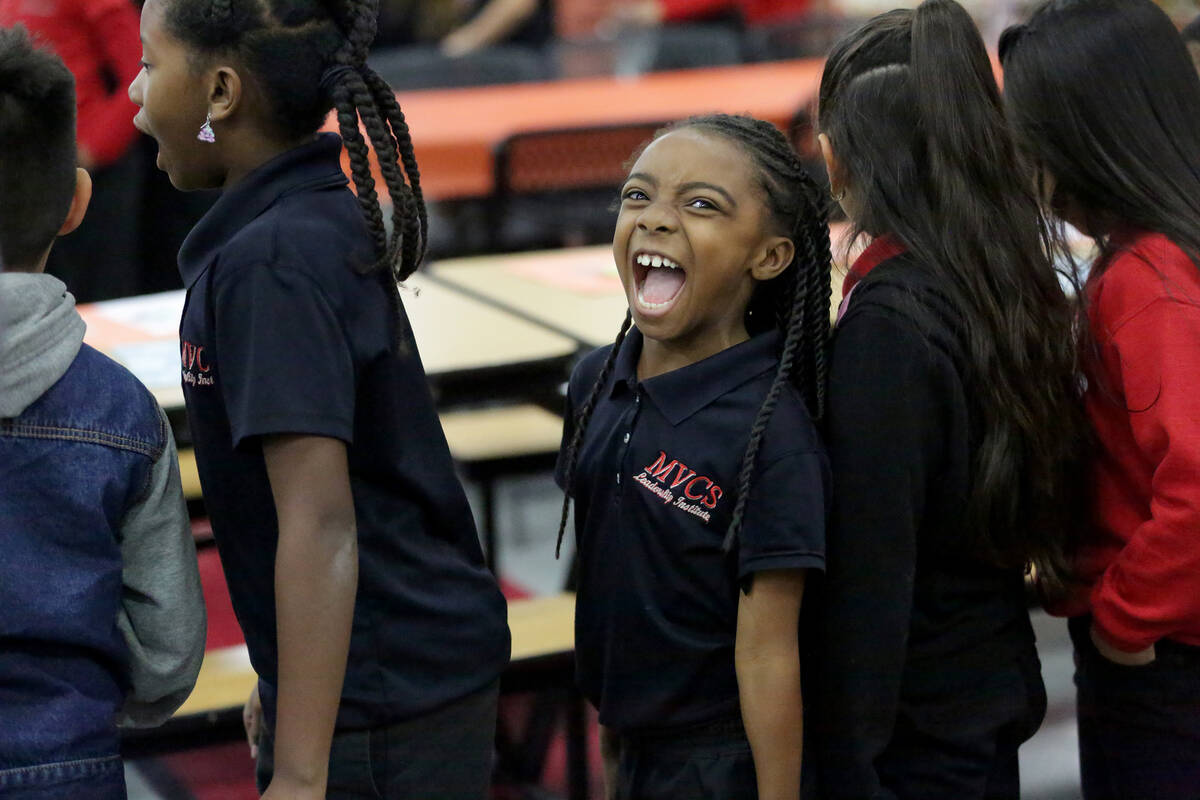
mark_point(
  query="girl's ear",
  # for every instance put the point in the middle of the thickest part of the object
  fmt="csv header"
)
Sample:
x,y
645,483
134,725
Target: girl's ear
x,y
775,258
833,167
225,92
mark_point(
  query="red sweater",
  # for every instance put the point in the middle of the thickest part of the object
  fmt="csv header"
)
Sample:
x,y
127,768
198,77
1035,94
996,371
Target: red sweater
x,y
1143,399
93,38
754,12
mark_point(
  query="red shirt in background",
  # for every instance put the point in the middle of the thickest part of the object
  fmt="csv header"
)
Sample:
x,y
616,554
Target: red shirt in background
x,y
754,12
99,42
1143,399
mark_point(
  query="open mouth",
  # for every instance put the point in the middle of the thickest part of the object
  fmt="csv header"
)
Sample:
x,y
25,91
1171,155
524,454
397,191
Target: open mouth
x,y
659,280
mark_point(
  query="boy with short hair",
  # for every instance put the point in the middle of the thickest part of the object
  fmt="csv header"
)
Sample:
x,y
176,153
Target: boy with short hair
x,y
101,613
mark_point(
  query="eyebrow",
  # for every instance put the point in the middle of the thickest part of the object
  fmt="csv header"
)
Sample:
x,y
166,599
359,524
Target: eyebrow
x,y
687,187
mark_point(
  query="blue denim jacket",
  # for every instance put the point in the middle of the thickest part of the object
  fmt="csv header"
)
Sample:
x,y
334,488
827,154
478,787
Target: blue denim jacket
x,y
101,617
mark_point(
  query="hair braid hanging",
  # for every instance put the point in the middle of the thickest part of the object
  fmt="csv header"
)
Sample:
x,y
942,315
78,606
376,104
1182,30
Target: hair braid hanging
x,y
581,420
783,374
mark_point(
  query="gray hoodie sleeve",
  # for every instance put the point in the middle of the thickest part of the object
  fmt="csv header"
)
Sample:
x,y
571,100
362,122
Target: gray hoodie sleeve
x,y
162,610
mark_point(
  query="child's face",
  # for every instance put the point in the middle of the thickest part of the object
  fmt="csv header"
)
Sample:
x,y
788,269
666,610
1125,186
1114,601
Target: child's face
x,y
173,100
691,226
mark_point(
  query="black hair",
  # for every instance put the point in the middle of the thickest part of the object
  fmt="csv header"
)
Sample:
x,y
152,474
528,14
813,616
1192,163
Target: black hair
x,y
1104,96
910,104
37,140
307,56
796,301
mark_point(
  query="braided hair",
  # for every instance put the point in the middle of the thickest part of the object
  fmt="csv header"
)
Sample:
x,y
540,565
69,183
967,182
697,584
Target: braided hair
x,y
308,56
796,301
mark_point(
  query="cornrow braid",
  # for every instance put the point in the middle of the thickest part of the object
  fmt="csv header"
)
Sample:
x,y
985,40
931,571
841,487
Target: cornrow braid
x,y
796,301
309,56
582,416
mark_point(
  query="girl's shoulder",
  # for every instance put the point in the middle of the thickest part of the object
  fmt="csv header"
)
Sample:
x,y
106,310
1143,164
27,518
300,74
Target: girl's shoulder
x,y
1141,268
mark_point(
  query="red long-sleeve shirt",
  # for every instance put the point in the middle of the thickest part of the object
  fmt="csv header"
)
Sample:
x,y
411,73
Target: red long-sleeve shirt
x,y
1144,401
754,12
98,40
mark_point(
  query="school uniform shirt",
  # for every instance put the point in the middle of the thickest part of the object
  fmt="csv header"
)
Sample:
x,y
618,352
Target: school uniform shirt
x,y
654,489
283,333
1142,565
922,648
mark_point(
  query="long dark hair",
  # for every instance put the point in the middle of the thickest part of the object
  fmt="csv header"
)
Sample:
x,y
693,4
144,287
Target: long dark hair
x,y
911,107
1104,96
796,301
309,56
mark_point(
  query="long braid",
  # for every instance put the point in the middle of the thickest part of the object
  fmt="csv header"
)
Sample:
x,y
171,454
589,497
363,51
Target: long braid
x,y
582,416
799,297
360,166
417,234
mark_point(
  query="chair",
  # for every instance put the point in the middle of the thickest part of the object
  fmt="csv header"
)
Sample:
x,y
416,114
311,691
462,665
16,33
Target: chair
x,y
558,187
412,68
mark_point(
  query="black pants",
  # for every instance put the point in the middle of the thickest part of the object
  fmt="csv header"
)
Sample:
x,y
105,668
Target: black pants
x,y
708,762
962,743
1139,727
443,755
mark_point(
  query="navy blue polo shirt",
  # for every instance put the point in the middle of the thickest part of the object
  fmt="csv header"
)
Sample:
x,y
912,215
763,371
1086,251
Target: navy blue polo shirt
x,y
655,486
282,333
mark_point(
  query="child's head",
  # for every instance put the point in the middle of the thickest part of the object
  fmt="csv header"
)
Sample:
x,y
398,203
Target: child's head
x,y
264,74
914,134
1104,97
1191,37
42,193
721,233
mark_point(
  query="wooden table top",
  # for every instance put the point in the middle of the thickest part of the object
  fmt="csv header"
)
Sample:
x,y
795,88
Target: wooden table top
x,y
456,131
541,626
455,333
575,291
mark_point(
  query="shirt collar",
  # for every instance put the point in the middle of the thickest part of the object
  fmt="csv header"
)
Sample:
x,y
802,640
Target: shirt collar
x,y
879,250
314,165
680,393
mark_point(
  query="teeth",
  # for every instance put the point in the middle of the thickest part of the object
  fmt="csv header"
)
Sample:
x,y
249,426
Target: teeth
x,y
642,300
647,260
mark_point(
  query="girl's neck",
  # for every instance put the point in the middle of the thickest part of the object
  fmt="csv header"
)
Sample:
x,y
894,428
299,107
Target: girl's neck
x,y
660,357
250,152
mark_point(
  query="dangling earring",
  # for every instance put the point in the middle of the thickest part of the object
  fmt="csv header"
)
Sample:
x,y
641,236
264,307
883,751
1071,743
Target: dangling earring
x,y
206,132
837,198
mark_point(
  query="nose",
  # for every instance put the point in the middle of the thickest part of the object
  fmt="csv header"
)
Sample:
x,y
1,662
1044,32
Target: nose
x,y
656,218
135,89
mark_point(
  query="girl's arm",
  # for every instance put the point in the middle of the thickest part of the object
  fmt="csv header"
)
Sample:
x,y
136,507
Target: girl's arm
x,y
767,659
316,577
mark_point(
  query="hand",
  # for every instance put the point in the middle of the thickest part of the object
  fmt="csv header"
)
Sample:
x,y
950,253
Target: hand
x,y
1138,659
252,720
459,43
636,14
283,789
